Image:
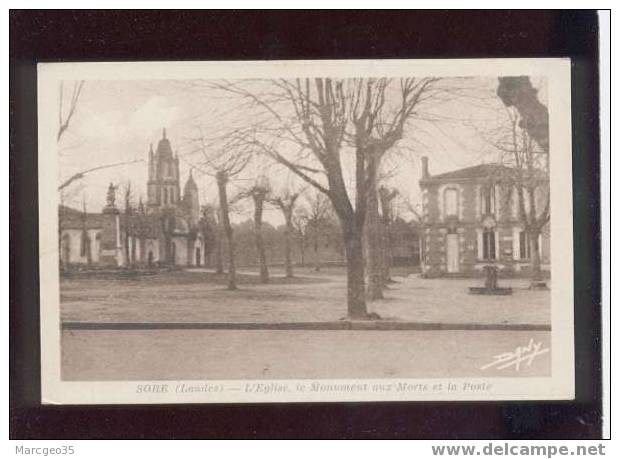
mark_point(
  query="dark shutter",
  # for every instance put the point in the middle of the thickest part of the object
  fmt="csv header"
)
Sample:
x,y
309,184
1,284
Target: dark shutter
x,y
488,245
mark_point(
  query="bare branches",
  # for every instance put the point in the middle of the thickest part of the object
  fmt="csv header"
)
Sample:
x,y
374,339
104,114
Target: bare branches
x,y
81,174
523,169
308,125
65,118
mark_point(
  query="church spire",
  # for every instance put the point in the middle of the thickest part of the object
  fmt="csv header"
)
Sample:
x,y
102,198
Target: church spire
x,y
163,134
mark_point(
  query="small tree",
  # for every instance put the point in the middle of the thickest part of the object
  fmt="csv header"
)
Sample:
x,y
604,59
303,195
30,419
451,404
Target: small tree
x,y
315,214
222,177
286,203
527,174
209,229
85,242
223,160
531,182
386,197
300,223
259,193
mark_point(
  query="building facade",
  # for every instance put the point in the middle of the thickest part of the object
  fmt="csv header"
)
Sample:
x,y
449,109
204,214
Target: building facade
x,y
168,230
471,220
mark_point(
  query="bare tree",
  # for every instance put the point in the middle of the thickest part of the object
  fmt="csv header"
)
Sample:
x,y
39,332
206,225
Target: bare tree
x,y
300,223
315,214
223,161
303,125
85,242
286,202
222,177
66,114
528,174
259,193
378,126
407,205
210,230
219,250
386,197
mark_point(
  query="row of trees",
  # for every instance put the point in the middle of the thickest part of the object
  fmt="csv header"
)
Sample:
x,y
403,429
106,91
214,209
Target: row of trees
x,y
309,225
310,235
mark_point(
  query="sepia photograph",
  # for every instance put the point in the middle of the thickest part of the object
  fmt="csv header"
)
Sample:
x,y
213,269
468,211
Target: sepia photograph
x,y
306,231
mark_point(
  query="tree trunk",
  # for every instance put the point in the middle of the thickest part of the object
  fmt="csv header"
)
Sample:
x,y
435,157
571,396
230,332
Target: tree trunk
x,y
222,179
535,254
302,251
386,237
386,254
258,236
374,240
356,291
89,257
317,259
219,261
288,264
126,246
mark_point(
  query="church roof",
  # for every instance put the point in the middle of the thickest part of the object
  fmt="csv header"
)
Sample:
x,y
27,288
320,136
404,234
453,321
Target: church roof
x,y
190,184
164,149
71,218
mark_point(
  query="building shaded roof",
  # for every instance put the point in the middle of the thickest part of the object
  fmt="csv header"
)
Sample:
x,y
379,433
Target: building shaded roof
x,y
480,171
142,224
71,218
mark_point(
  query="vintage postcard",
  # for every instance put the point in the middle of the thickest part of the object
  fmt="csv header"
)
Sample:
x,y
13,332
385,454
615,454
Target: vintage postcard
x,y
284,231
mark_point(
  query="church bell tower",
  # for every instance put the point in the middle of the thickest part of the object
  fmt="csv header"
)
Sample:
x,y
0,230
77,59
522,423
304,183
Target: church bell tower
x,y
163,183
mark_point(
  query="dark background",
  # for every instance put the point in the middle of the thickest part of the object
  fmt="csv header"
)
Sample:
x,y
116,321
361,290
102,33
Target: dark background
x,y
58,36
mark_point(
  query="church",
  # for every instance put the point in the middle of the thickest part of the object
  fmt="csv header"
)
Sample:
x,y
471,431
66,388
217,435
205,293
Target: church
x,y
167,230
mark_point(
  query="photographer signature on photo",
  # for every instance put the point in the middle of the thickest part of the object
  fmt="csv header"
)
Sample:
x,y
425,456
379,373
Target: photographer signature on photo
x,y
521,354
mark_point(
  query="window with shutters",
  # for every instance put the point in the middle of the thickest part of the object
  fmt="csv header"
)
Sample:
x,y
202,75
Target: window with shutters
x,y
451,196
488,245
488,200
524,245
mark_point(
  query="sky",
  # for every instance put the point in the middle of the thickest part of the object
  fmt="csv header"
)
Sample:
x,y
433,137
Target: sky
x,y
116,121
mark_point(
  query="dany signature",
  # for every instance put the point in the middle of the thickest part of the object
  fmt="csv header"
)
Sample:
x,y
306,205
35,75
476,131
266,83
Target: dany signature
x,y
522,355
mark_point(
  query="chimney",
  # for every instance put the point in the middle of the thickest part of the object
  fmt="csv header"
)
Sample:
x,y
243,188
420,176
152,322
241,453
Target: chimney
x,y
425,173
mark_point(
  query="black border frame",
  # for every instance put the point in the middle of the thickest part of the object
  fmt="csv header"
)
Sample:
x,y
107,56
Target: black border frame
x,y
56,36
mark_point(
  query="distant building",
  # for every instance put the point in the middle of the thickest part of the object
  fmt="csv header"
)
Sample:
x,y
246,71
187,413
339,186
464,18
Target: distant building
x,y
470,220
167,230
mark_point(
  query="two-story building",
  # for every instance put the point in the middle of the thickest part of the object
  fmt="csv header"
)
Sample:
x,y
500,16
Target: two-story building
x,y
470,220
